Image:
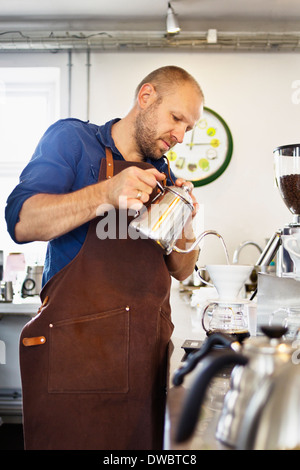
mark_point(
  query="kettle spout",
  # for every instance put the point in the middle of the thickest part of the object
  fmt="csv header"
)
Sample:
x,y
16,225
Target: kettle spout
x,y
198,240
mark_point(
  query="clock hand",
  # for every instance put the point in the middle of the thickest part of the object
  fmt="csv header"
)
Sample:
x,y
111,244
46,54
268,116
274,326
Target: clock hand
x,y
198,143
212,143
191,144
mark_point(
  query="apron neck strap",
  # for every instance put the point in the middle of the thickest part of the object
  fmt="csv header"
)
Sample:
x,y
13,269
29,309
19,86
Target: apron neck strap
x,y
109,163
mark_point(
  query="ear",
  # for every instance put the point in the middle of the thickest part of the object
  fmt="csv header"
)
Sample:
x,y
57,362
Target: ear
x,y
146,96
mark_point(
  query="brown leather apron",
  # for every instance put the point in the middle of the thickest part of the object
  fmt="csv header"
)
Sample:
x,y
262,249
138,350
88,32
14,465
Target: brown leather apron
x,y
93,361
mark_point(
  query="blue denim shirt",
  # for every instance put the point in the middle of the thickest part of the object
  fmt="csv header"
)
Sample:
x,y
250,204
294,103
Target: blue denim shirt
x,y
66,159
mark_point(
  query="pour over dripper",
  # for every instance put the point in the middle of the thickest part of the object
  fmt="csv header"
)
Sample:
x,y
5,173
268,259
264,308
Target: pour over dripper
x,y
227,313
287,174
228,279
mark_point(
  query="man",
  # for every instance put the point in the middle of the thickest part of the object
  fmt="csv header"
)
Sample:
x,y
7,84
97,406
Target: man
x,y
93,362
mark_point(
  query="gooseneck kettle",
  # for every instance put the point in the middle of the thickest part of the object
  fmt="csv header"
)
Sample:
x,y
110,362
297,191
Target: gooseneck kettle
x,y
271,420
164,220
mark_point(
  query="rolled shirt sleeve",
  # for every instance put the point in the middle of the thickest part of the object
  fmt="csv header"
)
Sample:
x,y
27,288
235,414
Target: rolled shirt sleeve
x,y
51,170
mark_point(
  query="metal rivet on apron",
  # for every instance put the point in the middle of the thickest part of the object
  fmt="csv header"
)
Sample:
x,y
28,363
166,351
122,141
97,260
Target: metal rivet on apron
x,y
127,309
50,325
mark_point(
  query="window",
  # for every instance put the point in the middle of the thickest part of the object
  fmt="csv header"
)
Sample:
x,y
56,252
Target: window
x,y
29,103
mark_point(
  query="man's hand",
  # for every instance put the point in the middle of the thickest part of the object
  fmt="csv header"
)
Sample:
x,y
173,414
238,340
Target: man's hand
x,y
132,187
180,182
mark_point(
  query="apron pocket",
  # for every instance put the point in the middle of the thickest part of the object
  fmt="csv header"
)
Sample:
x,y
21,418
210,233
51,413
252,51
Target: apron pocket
x,y
89,354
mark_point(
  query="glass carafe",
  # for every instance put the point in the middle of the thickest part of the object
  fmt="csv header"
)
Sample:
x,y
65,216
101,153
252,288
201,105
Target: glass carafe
x,y
289,317
229,318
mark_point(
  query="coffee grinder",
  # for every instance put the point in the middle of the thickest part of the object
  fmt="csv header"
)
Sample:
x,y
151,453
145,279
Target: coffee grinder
x,y
287,177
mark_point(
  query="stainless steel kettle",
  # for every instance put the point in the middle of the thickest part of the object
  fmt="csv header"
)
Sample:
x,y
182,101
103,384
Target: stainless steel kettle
x,y
272,418
165,218
256,359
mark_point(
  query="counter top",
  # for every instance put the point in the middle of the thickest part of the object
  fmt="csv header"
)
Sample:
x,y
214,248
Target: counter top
x,y
28,306
186,326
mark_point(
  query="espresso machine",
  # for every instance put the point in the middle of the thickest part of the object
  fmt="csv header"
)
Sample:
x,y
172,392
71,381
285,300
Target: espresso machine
x,y
287,177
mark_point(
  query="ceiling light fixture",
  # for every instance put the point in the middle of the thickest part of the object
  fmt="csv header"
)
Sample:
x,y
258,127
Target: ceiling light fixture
x,y
172,23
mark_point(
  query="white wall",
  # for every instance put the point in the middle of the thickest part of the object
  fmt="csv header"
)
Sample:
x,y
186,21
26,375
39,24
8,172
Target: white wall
x,y
251,91
8,179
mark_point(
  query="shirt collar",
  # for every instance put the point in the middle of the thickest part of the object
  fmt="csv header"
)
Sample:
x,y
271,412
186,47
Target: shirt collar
x,y
103,134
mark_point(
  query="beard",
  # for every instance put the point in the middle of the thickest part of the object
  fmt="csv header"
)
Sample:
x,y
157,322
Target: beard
x,y
145,133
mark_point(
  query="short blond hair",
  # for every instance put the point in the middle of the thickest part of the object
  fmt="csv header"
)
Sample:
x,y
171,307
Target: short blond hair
x,y
164,78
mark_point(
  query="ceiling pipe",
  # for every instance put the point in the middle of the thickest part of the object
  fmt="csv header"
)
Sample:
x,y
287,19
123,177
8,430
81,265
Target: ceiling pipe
x,y
88,67
69,82
149,40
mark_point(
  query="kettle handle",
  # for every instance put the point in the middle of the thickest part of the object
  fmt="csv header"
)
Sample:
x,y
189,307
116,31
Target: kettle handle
x,y
191,407
203,280
193,358
210,304
162,191
160,186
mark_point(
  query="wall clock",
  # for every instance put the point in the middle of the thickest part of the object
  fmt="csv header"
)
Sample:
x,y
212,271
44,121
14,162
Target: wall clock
x,y
205,152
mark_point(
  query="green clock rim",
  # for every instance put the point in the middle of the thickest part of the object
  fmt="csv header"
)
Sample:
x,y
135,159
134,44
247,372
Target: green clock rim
x,y
226,162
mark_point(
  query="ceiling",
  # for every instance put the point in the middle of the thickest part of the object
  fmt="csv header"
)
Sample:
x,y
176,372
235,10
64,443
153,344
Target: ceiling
x,y
117,24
